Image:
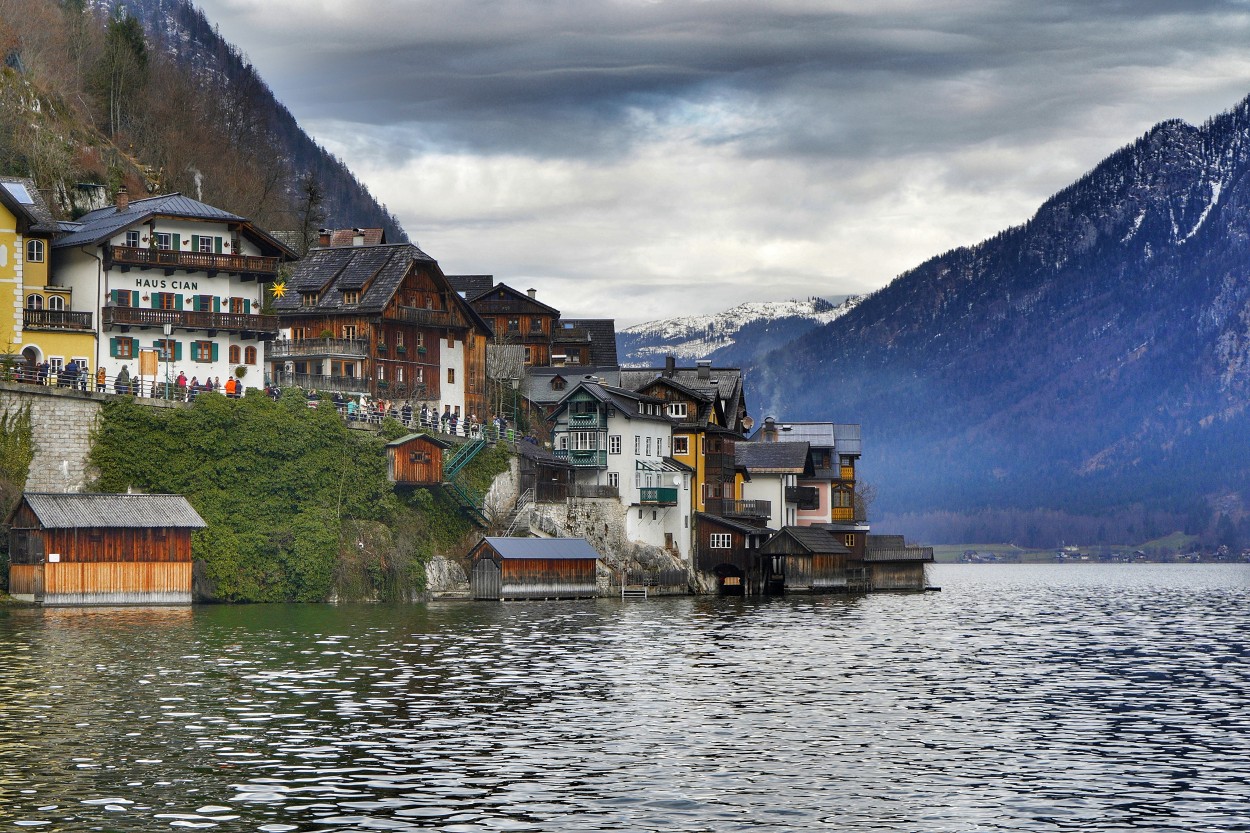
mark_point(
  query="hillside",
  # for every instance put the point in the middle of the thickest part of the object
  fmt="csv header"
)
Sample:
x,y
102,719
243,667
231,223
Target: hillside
x,y
731,337
1093,362
95,94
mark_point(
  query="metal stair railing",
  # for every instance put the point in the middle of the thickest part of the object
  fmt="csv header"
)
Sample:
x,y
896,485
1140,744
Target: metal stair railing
x,y
524,505
470,502
463,456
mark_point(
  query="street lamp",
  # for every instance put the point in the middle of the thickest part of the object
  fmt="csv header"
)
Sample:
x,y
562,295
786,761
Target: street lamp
x,y
516,384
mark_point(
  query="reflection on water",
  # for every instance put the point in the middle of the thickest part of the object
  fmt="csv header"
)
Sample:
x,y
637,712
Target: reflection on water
x,y
1100,697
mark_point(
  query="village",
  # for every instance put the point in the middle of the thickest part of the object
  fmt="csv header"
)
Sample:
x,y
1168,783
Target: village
x,y
626,480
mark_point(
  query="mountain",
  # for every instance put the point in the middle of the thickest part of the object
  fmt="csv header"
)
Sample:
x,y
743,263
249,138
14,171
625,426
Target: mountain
x,y
730,337
1093,363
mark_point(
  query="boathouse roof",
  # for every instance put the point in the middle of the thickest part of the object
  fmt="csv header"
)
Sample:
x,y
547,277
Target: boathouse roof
x,y
73,511
548,548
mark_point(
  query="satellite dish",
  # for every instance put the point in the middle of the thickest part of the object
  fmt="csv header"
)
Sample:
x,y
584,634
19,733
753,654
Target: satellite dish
x,y
676,480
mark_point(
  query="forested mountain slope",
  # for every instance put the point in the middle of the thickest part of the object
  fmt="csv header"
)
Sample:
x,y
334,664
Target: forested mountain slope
x,y
1096,357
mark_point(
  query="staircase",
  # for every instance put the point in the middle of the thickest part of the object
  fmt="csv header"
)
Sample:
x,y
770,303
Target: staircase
x,y
463,456
470,502
524,505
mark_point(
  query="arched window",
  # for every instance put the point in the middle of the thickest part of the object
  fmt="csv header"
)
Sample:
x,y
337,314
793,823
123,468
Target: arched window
x,y
234,354
249,355
56,302
34,251
34,302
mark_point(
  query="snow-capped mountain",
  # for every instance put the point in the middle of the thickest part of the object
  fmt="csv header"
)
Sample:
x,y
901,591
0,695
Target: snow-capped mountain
x,y
732,336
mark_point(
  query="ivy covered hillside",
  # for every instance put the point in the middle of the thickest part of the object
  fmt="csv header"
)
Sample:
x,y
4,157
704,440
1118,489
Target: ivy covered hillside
x,y
298,506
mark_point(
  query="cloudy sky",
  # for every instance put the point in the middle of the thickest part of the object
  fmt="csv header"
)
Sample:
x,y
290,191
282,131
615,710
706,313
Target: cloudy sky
x,y
644,158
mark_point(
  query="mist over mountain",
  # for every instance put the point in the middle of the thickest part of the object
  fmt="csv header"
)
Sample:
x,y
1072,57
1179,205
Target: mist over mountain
x,y
1091,362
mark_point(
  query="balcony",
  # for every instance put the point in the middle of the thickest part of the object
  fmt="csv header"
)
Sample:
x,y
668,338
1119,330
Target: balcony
x,y
657,496
579,490
420,317
807,497
249,266
231,321
285,348
726,508
319,382
584,459
56,319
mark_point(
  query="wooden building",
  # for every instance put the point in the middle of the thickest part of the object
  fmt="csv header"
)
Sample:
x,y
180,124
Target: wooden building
x,y
92,549
384,321
549,476
534,568
893,565
805,560
416,460
730,550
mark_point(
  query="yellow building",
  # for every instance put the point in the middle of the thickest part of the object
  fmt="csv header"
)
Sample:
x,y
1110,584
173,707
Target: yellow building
x,y
38,322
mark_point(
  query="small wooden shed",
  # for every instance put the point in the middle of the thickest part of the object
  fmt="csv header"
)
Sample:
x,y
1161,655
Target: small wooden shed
x,y
548,475
809,559
534,568
893,565
90,549
416,460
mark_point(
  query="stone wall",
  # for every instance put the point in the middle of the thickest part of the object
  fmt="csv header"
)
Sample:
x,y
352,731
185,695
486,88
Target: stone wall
x,y
62,422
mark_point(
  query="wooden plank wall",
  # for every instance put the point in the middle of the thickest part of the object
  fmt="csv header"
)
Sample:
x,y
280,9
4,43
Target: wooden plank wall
x,y
425,470
26,581
542,578
118,583
118,545
896,576
828,571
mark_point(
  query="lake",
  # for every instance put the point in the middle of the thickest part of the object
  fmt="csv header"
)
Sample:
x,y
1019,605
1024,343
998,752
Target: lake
x,y
1021,697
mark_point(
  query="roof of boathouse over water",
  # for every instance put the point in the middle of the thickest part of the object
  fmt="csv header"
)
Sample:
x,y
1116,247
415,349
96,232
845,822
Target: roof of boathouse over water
x,y
547,548
72,511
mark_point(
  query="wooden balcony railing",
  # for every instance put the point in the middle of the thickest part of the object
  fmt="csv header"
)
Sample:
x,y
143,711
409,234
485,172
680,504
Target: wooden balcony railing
x,y
50,319
727,508
148,258
140,317
285,348
592,491
421,317
319,382
588,459
657,496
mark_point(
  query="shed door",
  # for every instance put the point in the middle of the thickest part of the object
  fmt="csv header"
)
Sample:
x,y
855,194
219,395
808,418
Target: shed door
x,y
486,581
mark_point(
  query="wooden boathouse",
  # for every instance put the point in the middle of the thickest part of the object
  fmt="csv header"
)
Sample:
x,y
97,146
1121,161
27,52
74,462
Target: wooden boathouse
x,y
416,460
101,549
893,565
534,568
808,559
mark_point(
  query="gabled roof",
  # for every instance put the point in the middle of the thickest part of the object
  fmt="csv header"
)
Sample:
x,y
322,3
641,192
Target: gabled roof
x,y
500,296
626,402
602,335
97,226
546,548
430,438
844,438
537,454
76,511
723,384
737,526
536,386
19,195
892,548
773,458
330,271
810,539
470,286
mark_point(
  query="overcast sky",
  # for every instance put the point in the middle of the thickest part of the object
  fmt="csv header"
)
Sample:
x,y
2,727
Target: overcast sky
x,y
643,159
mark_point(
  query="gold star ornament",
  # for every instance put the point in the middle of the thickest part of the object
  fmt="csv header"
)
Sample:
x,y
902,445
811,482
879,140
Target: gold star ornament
x,y
278,289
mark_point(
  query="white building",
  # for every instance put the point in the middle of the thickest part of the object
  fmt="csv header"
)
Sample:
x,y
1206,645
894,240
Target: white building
x,y
177,287
620,445
772,478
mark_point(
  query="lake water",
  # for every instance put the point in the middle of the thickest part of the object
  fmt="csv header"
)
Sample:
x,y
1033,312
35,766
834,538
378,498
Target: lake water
x,y
1022,697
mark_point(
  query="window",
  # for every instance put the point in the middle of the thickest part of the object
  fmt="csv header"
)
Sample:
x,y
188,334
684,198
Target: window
x,y
681,446
381,373
308,299
349,331
205,245
536,324
529,355
677,409
299,333
34,302
203,303
132,239
451,376
34,251
56,364
167,349
419,376
720,540
249,355
558,383
848,540
234,354
514,325
614,480
637,444
165,300
399,338
614,444
648,446
564,442
164,240
351,297
56,302
122,347
841,498
420,339
659,446
399,373
202,351
585,440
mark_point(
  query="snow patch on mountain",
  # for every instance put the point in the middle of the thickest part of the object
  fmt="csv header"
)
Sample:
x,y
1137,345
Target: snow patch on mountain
x,y
699,336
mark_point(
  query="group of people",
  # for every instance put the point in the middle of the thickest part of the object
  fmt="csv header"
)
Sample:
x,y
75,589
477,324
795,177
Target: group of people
x,y
72,375
188,389
426,418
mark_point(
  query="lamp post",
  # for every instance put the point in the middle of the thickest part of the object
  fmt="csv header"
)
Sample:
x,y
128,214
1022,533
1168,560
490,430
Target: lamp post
x,y
168,355
516,384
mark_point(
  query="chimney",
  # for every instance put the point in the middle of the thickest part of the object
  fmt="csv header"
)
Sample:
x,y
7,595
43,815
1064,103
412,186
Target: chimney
x,y
770,430
123,199
705,368
670,366
532,292
358,237
323,237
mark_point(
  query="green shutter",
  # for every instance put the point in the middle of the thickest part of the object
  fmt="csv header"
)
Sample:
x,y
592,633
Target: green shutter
x,y
216,304
177,351
134,298
195,351
113,347
178,301
195,242
175,240
215,351
217,245
247,307
156,300
134,348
